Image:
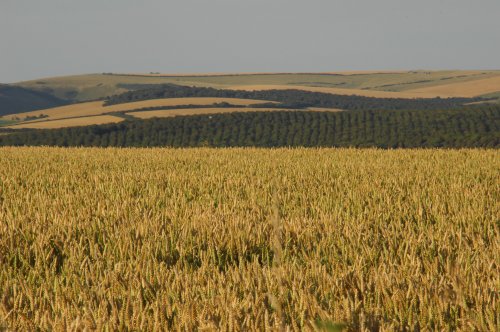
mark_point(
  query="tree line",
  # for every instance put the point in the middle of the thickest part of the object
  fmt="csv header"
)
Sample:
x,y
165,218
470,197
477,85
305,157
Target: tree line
x,y
467,127
288,98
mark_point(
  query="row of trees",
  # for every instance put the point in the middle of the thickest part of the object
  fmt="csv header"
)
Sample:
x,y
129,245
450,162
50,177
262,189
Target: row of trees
x,y
287,98
384,129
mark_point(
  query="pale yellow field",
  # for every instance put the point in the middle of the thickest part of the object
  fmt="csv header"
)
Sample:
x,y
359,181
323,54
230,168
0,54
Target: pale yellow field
x,y
72,122
324,109
75,110
197,111
182,101
97,108
339,91
463,89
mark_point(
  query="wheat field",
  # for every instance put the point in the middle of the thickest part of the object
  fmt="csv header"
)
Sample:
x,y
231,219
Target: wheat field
x,y
97,107
205,111
249,239
198,111
75,110
465,89
70,122
348,92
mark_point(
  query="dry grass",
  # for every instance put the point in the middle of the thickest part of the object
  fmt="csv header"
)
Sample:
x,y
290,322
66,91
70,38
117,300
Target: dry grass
x,y
338,91
463,89
94,86
249,239
97,108
73,122
198,111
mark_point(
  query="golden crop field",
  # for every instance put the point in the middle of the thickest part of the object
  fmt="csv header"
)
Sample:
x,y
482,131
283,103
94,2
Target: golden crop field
x,y
61,112
466,89
97,107
198,111
339,91
71,122
325,109
249,239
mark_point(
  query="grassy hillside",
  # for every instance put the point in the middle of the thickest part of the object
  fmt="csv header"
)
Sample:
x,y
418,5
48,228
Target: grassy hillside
x,y
249,239
294,98
14,99
162,99
157,95
95,86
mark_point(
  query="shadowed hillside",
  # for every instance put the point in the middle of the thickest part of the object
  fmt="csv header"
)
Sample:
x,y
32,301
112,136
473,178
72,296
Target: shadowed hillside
x,y
14,99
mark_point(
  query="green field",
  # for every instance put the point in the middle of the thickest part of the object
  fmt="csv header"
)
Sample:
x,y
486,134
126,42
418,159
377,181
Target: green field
x,y
6,122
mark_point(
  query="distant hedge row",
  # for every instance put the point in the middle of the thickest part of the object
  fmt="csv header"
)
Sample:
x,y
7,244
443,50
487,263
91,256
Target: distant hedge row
x,y
384,129
289,98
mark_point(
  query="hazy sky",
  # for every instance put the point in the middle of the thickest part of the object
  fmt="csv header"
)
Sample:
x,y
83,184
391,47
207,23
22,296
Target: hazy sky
x,y
59,37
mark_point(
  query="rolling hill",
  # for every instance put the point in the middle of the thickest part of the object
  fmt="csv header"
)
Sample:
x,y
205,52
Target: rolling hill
x,y
15,99
95,112
381,109
171,100
392,84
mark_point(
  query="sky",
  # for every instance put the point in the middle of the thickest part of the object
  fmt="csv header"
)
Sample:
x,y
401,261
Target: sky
x,y
62,37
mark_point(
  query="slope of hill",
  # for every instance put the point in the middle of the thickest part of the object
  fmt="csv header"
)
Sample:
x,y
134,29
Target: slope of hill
x,y
469,127
164,99
90,112
14,99
293,98
400,84
129,96
97,107
467,89
201,111
68,122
